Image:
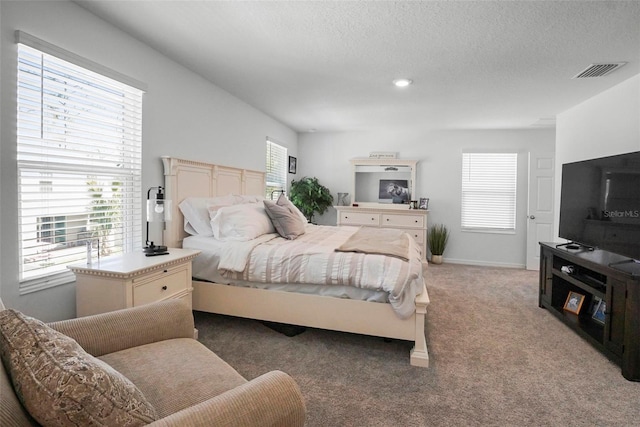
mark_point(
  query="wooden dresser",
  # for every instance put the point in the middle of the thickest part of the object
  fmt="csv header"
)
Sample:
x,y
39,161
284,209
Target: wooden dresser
x,y
413,221
131,280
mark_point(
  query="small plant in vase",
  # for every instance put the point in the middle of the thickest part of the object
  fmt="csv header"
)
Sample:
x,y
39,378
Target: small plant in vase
x,y
438,238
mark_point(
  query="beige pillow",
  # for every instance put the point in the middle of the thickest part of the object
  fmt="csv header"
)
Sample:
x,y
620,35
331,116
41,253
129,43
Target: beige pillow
x,y
60,384
285,218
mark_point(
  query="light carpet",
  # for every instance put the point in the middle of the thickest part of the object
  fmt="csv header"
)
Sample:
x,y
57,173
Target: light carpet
x,y
496,359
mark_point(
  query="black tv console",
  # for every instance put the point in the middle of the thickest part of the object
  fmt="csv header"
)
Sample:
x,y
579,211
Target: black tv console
x,y
617,335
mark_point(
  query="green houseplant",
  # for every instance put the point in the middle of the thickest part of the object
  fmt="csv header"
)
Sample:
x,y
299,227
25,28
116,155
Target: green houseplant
x,y
438,238
310,196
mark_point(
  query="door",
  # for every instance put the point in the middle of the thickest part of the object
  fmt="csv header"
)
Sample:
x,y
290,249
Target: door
x,y
540,205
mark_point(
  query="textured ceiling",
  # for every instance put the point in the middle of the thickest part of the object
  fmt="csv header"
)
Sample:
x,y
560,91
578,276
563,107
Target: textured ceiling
x,y
328,65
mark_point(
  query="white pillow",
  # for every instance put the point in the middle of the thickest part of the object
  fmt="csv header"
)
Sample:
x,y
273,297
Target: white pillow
x,y
241,222
196,212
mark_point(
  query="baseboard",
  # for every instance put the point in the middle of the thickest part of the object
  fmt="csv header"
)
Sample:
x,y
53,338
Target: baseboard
x,y
482,263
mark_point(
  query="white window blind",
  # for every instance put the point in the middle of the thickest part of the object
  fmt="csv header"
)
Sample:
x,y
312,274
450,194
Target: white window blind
x,y
489,191
79,137
277,169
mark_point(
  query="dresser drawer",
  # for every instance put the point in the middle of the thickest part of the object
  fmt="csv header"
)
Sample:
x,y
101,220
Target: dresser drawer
x,y
417,234
360,218
161,286
392,220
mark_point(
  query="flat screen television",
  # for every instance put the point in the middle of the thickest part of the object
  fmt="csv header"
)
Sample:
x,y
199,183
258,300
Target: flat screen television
x,y
600,204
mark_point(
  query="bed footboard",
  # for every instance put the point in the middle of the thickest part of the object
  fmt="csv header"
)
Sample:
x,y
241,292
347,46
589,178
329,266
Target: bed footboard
x,y
345,315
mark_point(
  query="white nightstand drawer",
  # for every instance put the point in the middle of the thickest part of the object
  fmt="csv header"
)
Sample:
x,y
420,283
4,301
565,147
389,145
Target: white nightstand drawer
x,y
162,286
392,220
359,218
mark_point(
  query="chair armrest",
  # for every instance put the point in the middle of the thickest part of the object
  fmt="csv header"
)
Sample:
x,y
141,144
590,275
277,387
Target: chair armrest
x,y
131,327
271,400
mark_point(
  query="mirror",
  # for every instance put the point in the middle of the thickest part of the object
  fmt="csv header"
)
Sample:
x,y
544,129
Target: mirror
x,y
383,181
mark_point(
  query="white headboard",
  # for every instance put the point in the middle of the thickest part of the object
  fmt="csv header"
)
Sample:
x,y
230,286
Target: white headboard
x,y
188,178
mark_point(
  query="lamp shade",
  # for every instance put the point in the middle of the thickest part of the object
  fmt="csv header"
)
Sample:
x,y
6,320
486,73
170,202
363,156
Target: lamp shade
x,y
158,210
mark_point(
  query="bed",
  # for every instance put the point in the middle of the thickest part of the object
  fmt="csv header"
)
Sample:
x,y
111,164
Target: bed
x,y
366,314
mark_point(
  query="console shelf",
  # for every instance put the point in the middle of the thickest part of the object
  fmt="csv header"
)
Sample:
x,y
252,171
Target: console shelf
x,y
591,275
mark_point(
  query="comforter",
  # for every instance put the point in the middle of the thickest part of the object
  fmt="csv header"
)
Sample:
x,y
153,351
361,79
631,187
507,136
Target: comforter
x,y
312,258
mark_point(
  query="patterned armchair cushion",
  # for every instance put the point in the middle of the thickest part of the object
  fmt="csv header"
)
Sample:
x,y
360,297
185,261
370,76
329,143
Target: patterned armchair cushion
x,y
62,385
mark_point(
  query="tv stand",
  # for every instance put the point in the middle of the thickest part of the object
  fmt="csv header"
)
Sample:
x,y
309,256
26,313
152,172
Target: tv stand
x,y
598,275
629,266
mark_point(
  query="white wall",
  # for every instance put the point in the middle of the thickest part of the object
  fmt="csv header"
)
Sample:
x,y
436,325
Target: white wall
x,y
183,115
326,156
605,125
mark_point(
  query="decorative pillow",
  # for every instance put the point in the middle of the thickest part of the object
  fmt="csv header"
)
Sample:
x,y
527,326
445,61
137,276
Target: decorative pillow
x,y
62,385
285,218
241,222
295,208
196,211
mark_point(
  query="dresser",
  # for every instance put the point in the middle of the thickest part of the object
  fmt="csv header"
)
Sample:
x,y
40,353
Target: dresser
x,y
413,221
131,280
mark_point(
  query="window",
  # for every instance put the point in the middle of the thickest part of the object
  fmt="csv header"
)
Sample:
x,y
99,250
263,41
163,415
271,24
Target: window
x,y
79,137
276,169
489,191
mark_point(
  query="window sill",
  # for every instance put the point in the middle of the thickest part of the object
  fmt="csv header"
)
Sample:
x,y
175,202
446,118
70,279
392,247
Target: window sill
x,y
50,281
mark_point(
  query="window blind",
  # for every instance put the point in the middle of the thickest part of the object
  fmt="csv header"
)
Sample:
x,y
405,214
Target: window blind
x,y
79,146
277,168
489,191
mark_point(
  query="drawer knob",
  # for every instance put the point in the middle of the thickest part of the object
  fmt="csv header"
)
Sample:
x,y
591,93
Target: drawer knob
x,y
387,219
164,288
416,221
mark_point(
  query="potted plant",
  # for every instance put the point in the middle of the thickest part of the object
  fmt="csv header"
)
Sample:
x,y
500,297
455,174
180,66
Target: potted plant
x,y
310,196
438,238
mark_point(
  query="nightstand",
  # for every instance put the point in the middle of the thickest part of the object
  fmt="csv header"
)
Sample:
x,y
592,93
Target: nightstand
x,y
131,280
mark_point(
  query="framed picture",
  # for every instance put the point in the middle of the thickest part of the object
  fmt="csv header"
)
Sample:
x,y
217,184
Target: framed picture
x,y
395,189
293,164
574,301
424,203
599,310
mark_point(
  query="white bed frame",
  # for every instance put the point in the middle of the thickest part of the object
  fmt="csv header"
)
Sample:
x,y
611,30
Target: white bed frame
x,y
186,178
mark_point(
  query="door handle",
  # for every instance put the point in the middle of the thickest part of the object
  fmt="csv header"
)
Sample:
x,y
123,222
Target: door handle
x,y
531,217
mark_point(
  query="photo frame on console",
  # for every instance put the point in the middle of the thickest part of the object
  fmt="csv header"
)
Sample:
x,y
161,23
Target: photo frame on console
x,y
574,302
600,308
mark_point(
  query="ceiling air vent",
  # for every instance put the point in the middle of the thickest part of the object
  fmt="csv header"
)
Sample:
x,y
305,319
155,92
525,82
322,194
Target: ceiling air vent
x,y
598,70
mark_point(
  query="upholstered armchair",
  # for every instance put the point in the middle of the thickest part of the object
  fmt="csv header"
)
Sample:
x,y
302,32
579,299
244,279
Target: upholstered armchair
x,y
131,367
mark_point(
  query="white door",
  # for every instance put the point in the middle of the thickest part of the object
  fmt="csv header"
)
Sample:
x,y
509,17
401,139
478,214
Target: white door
x,y
540,207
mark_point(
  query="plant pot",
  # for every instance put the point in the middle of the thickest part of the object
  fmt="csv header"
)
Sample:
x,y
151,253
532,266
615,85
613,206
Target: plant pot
x,y
436,259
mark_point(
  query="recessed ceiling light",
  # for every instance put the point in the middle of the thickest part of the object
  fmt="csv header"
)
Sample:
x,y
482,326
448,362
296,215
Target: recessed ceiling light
x,y
402,82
